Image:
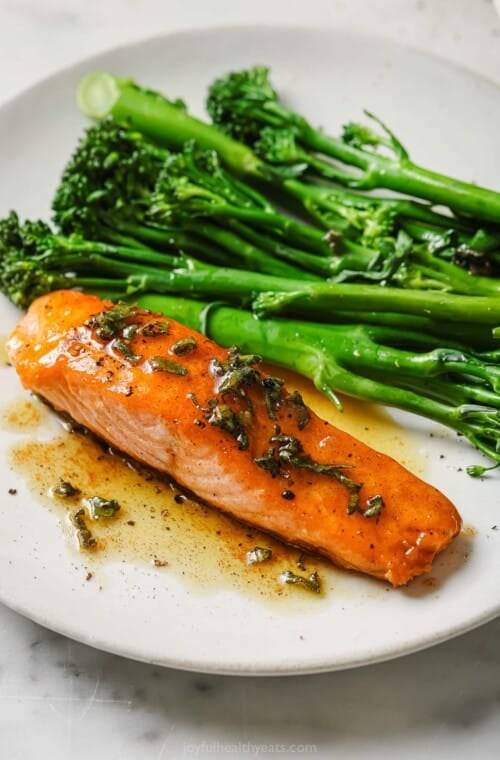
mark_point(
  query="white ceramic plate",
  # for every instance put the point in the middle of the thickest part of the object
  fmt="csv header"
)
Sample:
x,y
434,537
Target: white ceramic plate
x,y
449,120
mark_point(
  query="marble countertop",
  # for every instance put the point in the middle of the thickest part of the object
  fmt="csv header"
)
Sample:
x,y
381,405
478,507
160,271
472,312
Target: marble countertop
x,y
61,699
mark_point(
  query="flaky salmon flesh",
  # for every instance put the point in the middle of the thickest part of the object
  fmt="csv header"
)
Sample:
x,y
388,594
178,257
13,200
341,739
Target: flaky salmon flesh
x,y
237,438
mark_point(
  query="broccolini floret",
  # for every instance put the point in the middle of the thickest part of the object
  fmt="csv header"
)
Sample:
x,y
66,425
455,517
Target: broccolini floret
x,y
244,103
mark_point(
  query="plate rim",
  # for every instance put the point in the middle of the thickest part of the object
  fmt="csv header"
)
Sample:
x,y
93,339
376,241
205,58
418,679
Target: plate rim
x,y
187,31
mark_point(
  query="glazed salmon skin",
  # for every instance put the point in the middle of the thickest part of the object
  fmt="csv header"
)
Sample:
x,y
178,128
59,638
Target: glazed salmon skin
x,y
171,398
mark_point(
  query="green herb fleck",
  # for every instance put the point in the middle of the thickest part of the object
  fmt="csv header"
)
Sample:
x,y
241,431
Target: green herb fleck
x,y
184,346
296,403
153,329
286,450
373,506
272,394
237,372
300,562
99,507
124,348
224,417
130,331
110,322
211,403
269,463
258,554
164,364
65,489
312,583
83,534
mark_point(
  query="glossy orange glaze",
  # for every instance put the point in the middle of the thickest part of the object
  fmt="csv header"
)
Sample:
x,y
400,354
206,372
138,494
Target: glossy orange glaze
x,y
151,416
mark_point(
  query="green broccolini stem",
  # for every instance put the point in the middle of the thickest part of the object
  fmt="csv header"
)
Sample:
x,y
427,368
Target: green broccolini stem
x,y
172,199
246,104
164,237
307,262
33,249
326,203
280,224
316,300
320,299
402,175
101,94
242,253
453,278
137,235
447,332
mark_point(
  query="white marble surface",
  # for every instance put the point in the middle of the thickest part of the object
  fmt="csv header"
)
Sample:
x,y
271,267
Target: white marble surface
x,y
60,699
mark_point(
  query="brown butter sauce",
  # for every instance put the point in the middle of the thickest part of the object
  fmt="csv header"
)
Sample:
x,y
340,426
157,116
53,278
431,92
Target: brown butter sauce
x,y
160,525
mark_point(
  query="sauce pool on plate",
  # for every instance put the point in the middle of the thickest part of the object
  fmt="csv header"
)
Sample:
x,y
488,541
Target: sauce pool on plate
x,y
166,528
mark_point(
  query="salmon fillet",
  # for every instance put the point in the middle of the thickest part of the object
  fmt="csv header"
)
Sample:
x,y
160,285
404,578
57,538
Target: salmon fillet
x,y
238,439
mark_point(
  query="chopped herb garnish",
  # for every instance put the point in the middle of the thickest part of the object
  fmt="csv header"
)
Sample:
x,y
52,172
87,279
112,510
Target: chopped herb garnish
x,y
65,489
300,562
211,403
130,331
112,325
99,507
237,372
153,329
124,348
184,346
295,401
269,463
224,417
272,394
373,506
164,364
312,583
108,324
286,450
83,534
258,554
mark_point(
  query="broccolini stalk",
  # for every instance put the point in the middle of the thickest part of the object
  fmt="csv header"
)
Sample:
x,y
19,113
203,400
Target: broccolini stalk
x,y
373,222
478,254
450,386
446,333
244,103
420,270
34,261
193,182
101,94
315,300
33,247
321,298
119,187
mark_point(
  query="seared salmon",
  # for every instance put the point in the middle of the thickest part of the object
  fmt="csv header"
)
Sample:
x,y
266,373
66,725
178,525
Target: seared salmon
x,y
234,436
